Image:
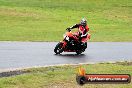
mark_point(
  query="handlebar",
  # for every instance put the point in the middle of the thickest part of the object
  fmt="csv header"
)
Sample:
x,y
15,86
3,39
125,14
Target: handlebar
x,y
68,29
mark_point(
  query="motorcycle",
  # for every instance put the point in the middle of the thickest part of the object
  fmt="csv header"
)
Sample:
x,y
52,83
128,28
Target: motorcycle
x,y
71,43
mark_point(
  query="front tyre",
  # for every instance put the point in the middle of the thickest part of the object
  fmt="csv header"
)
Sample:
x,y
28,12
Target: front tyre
x,y
58,48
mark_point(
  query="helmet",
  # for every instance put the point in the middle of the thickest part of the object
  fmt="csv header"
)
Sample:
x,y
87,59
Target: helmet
x,y
83,22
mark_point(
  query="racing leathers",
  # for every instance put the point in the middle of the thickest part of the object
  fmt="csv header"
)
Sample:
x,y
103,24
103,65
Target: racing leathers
x,y
82,31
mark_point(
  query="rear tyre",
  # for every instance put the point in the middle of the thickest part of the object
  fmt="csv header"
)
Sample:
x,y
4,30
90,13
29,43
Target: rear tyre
x,y
78,52
85,44
58,49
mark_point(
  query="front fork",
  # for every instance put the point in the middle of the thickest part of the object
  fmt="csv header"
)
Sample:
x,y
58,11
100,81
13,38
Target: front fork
x,y
64,44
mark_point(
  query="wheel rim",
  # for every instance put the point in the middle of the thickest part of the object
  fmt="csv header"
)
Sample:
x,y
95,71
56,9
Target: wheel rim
x,y
59,49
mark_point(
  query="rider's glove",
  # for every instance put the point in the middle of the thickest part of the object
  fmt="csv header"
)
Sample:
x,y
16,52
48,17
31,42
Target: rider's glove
x,y
68,29
82,35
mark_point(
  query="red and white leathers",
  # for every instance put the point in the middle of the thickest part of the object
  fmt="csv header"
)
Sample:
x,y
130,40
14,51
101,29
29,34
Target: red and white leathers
x,y
82,32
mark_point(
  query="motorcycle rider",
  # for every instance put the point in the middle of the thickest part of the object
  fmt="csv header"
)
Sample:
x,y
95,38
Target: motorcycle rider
x,y
82,31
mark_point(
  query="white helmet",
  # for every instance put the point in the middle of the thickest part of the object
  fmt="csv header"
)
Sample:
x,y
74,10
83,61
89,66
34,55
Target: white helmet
x,y
83,22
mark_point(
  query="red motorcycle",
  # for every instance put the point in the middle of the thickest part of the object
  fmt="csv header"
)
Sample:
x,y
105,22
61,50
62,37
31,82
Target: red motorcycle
x,y
71,43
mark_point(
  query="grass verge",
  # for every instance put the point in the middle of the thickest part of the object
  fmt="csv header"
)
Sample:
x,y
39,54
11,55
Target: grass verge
x,y
46,20
64,76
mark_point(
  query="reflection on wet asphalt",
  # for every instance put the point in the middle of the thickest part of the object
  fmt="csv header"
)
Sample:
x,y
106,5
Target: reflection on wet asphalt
x,y
28,54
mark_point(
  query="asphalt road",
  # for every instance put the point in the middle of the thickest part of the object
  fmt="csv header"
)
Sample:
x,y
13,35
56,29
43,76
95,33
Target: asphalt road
x,y
30,54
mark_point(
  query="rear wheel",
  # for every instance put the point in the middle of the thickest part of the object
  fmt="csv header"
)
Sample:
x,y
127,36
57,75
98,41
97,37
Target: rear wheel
x,y
85,44
78,52
58,49
82,47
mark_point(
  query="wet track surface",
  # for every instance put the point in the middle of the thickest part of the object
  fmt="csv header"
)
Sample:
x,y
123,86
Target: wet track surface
x,y
29,54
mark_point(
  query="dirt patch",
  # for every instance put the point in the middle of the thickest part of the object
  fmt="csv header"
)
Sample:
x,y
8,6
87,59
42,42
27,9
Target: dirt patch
x,y
12,73
124,63
16,13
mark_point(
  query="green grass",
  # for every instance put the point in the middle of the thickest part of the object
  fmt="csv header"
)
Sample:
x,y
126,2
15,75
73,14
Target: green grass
x,y
65,76
46,20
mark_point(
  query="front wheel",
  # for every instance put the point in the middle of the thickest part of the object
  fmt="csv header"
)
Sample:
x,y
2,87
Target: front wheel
x,y
58,49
